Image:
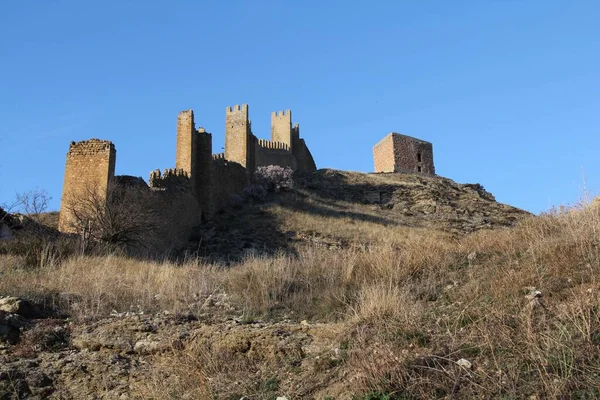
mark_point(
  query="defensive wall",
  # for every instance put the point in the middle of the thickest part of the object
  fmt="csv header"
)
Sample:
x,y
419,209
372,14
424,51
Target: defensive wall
x,y
201,184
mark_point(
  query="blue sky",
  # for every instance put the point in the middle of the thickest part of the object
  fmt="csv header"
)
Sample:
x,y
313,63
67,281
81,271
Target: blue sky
x,y
508,91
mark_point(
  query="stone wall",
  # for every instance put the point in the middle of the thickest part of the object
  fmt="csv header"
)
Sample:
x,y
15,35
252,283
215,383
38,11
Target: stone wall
x,y
202,173
281,127
274,153
401,153
238,138
90,166
304,159
185,157
227,179
201,183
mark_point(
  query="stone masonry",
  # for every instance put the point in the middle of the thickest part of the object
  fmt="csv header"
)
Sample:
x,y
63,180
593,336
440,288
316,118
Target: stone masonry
x,y
90,166
401,153
281,127
237,135
210,179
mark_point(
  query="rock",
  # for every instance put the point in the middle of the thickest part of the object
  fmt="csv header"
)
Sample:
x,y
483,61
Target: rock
x,y
463,362
11,326
534,294
15,305
147,346
37,379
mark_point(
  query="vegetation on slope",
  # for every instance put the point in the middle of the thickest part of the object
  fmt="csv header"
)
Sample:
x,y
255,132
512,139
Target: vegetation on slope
x,y
398,312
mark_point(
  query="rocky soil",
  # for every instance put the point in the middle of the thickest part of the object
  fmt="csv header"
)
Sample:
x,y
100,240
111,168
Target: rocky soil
x,y
119,357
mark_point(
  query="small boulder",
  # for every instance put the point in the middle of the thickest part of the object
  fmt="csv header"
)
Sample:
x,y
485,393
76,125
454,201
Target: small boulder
x,y
463,362
15,305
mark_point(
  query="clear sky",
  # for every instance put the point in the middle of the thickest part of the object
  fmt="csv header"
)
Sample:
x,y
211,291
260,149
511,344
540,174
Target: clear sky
x,y
508,91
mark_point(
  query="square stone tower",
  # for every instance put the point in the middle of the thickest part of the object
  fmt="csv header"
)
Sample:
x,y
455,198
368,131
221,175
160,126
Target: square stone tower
x,y
90,167
401,153
239,141
194,156
281,127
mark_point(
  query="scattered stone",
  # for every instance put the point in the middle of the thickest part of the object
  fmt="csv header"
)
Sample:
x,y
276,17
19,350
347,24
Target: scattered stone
x,y
15,305
463,362
534,294
147,346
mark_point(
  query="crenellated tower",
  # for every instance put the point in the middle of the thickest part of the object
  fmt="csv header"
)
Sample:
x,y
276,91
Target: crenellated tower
x,y
281,127
239,141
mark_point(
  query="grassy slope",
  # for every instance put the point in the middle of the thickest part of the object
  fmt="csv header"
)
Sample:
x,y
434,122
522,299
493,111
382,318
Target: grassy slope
x,y
400,304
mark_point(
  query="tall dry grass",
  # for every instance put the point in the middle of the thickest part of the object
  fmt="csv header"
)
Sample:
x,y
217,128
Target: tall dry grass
x,y
415,303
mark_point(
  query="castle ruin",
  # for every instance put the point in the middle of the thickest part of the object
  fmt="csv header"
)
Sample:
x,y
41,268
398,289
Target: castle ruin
x,y
208,179
401,153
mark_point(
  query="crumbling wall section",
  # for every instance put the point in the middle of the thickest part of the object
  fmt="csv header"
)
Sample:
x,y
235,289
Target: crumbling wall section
x,y
90,166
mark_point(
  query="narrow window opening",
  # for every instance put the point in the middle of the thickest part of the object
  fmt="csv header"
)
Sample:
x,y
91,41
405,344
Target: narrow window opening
x,y
418,169
418,157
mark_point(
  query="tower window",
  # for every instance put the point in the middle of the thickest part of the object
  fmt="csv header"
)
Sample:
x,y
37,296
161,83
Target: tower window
x,y
418,169
418,157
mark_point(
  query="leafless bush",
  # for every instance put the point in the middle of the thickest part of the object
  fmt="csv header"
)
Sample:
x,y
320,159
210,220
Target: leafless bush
x,y
122,217
33,203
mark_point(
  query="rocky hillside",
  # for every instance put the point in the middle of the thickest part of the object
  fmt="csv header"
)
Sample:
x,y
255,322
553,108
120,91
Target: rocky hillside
x,y
328,206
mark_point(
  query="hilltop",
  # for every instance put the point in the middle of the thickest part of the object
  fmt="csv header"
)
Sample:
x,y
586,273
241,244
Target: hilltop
x,y
339,209
344,286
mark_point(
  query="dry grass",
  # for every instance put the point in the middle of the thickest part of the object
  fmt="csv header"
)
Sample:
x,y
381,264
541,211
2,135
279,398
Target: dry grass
x,y
93,287
416,302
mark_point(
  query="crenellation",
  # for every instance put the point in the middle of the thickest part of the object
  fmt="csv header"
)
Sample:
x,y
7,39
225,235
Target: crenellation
x,y
208,179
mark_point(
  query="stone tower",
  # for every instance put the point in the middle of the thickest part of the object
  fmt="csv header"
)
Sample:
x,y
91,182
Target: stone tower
x,y
239,141
401,153
281,127
185,158
90,168
194,156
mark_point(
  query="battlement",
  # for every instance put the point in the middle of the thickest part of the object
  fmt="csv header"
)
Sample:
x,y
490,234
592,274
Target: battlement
x,y
282,114
169,178
269,144
201,183
237,108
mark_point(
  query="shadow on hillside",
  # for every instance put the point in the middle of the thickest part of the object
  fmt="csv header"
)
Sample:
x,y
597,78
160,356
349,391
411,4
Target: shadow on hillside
x,y
257,229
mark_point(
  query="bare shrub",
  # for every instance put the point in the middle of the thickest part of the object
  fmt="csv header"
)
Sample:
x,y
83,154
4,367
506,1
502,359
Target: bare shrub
x,y
33,203
123,217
